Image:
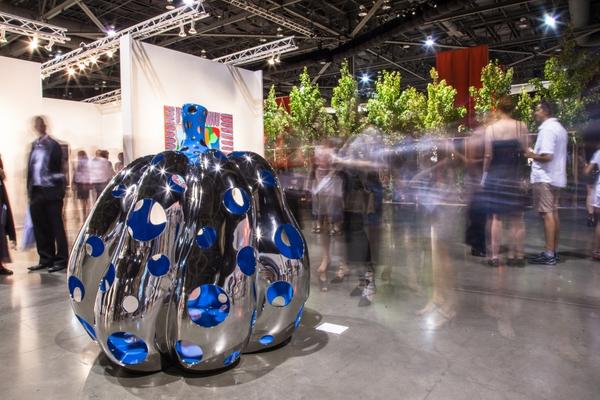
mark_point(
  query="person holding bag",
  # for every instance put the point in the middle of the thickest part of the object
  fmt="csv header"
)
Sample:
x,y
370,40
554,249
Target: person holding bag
x,y
7,225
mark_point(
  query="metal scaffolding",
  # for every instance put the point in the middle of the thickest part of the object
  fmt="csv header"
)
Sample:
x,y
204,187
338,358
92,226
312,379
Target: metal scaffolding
x,y
105,98
152,27
264,51
31,28
271,16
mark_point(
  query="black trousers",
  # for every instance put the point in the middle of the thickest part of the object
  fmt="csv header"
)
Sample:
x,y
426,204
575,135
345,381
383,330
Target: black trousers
x,y
48,227
477,222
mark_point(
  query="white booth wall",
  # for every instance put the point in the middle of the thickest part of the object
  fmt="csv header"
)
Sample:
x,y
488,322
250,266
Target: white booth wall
x,y
80,125
153,77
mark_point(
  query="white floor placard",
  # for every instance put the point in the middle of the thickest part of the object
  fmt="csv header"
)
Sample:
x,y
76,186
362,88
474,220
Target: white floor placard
x,y
332,328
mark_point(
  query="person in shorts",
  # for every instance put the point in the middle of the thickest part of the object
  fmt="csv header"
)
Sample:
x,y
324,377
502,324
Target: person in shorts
x,y
589,168
548,177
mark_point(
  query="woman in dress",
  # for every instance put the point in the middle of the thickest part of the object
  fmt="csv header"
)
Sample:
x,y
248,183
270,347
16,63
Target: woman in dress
x,y
81,182
503,180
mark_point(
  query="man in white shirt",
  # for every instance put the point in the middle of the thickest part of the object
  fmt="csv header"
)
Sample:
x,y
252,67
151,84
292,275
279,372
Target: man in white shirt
x,y
548,177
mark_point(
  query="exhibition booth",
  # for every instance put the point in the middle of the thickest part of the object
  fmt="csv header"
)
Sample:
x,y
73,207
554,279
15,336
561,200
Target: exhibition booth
x,y
155,83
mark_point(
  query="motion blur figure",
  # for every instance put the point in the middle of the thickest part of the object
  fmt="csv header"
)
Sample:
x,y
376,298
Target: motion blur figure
x,y
503,181
81,182
592,166
119,164
46,189
7,225
101,171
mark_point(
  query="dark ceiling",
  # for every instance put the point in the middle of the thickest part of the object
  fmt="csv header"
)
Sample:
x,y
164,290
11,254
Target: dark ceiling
x,y
392,38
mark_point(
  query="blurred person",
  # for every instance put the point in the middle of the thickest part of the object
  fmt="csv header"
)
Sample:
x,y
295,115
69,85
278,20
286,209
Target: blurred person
x,y
357,159
46,188
475,233
81,182
101,172
591,140
7,225
119,165
548,177
593,165
503,182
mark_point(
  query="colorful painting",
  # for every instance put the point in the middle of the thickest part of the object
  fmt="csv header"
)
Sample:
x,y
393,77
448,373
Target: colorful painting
x,y
217,135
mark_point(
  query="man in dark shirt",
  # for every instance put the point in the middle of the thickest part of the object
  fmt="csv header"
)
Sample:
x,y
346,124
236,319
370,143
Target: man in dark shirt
x,y
46,189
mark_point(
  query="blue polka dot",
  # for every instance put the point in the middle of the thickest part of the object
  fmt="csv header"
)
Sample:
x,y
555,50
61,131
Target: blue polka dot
x,y
188,352
266,340
219,155
158,264
76,289
289,241
177,184
236,201
280,293
147,221
94,246
208,305
231,358
206,238
267,178
119,191
157,159
88,327
127,348
108,279
246,260
299,317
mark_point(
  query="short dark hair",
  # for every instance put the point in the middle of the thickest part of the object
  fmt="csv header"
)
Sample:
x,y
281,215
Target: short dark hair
x,y
548,106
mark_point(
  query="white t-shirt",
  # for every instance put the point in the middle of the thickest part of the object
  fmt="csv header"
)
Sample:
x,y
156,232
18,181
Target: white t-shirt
x,y
596,160
552,139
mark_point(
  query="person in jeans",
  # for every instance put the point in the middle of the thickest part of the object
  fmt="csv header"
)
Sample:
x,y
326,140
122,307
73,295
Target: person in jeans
x,y
548,176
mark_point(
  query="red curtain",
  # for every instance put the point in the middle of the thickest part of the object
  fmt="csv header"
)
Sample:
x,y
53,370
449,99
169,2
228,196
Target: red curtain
x,y
284,102
462,68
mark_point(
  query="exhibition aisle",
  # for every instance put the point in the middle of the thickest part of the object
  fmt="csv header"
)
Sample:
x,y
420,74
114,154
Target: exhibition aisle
x,y
507,333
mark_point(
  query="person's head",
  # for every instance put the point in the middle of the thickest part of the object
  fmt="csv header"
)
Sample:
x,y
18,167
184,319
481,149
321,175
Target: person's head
x,y
98,153
82,155
544,110
505,105
120,156
39,124
105,154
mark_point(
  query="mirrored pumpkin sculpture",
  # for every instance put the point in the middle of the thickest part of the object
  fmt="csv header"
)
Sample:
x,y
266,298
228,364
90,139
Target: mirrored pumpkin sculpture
x,y
189,257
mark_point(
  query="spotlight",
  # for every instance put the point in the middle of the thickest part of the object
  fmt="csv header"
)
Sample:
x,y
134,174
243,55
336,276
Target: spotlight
x,y
550,21
94,59
81,66
362,12
271,61
182,31
365,78
110,53
429,42
192,30
34,43
49,45
279,32
3,36
71,71
263,40
277,59
170,5
111,32
188,2
44,76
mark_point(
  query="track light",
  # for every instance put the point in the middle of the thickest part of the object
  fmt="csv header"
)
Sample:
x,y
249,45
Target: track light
x,y
3,36
279,32
182,31
271,61
365,78
429,42
34,43
81,66
94,59
170,5
277,59
111,32
550,21
110,53
192,30
71,71
49,45
362,12
188,2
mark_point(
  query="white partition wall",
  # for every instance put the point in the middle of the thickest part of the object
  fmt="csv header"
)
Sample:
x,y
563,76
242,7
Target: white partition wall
x,y
161,77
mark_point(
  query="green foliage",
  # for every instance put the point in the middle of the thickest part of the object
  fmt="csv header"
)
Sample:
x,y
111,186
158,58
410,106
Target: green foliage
x,y
383,110
345,101
495,84
525,107
306,106
440,104
276,119
412,106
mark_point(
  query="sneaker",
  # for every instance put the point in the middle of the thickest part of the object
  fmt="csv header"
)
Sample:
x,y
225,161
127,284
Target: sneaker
x,y
5,271
542,259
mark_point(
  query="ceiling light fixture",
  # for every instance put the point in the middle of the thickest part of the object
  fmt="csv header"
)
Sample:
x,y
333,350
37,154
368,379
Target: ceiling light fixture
x,y
71,71
550,21
111,32
34,43
362,11
188,2
3,36
170,5
365,78
94,59
271,61
110,53
429,42
81,67
182,31
49,45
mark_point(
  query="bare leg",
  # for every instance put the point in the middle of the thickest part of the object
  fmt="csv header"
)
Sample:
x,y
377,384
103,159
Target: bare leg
x,y
549,231
556,229
496,236
518,235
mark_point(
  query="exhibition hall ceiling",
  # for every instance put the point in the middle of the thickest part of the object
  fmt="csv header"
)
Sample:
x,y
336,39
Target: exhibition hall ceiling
x,y
372,34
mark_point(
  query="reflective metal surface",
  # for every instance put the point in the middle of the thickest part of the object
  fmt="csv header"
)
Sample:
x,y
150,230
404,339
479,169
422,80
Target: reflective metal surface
x,y
189,256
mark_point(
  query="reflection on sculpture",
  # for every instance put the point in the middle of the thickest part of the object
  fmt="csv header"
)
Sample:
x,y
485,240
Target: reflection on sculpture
x,y
191,256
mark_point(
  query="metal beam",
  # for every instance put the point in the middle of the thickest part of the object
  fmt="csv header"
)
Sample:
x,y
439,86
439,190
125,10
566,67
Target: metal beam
x,y
396,64
367,17
321,72
261,52
59,9
91,16
446,46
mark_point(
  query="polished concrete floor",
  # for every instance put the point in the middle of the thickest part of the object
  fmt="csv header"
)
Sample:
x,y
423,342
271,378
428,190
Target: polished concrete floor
x,y
444,327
